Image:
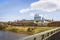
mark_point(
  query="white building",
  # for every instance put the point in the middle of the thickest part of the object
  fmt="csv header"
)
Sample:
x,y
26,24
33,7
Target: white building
x,y
41,21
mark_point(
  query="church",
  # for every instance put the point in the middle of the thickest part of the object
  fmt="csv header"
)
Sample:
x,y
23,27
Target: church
x,y
41,21
38,21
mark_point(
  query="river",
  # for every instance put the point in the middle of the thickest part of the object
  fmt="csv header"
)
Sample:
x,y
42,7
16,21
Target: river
x,y
11,36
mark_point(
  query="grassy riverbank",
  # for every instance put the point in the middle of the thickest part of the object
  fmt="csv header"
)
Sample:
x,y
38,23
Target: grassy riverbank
x,y
27,29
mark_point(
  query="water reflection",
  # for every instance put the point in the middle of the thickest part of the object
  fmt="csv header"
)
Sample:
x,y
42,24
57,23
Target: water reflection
x,y
10,36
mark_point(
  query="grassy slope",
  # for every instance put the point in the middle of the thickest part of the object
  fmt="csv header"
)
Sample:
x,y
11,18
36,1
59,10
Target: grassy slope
x,y
24,29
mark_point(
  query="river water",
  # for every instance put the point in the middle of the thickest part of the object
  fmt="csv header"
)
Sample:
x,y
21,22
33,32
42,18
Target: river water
x,y
11,36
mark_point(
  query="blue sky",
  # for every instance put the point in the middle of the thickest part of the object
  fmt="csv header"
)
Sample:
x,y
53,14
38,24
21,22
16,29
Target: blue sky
x,y
10,10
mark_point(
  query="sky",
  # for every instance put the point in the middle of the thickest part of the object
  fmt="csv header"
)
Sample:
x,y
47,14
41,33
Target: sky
x,y
11,10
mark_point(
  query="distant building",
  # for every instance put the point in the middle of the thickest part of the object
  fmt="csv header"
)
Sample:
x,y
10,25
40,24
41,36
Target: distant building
x,y
54,24
38,21
37,17
41,21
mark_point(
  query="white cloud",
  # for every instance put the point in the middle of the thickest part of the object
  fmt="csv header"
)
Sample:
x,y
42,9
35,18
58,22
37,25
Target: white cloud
x,y
24,10
44,5
32,14
41,15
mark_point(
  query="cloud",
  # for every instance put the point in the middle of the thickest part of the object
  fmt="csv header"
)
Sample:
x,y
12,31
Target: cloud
x,y
32,14
44,5
24,10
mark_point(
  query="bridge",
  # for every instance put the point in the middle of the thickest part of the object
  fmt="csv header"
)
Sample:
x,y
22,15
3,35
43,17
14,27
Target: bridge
x,y
47,35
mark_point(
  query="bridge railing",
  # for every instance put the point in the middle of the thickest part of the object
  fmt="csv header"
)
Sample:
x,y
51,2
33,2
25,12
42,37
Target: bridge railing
x,y
42,35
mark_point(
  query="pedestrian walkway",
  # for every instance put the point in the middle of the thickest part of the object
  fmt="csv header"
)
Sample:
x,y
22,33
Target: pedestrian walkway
x,y
55,37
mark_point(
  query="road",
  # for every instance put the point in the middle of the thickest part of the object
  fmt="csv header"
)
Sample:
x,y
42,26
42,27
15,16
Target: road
x,y
11,36
55,37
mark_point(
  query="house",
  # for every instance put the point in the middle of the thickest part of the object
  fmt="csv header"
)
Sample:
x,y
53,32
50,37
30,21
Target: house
x,y
55,24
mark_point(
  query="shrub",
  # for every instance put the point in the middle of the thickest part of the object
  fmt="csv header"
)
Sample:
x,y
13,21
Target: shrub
x,y
2,27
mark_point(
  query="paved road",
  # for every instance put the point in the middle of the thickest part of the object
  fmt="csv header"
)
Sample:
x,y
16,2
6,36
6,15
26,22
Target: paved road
x,y
55,37
11,36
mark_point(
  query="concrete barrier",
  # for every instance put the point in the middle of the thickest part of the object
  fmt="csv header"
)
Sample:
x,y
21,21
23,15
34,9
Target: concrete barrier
x,y
42,35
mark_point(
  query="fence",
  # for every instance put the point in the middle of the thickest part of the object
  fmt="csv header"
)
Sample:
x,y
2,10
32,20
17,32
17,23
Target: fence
x,y
42,35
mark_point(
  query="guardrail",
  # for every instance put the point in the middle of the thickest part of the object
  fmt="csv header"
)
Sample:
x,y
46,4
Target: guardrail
x,y
42,35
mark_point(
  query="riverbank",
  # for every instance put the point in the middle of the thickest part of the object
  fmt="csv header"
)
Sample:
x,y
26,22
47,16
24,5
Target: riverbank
x,y
27,29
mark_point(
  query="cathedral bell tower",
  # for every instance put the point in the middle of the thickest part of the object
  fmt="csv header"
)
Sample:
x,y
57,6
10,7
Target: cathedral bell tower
x,y
37,18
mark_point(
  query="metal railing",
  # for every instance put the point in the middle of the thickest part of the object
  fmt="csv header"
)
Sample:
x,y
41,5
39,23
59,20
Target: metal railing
x,y
42,35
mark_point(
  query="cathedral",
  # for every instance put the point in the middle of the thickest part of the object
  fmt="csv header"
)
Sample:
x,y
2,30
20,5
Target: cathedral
x,y
41,21
38,21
